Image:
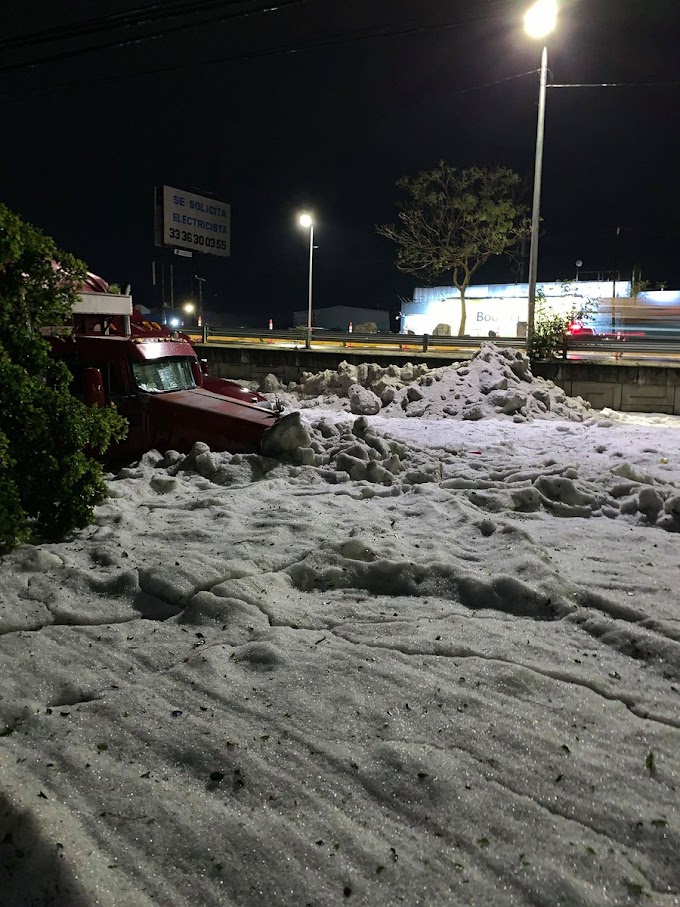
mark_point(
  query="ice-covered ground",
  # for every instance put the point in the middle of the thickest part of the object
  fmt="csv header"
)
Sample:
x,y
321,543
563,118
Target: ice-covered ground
x,y
421,661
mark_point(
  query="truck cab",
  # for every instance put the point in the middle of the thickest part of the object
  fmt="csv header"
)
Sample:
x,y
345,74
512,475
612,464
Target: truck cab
x,y
155,382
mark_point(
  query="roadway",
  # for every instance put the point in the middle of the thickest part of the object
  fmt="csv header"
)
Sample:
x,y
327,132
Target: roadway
x,y
642,350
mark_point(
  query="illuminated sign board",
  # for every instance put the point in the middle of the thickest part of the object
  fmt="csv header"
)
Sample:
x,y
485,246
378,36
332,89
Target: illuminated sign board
x,y
196,222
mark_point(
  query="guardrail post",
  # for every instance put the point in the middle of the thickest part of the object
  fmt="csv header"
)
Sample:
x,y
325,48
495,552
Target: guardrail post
x,y
205,333
426,342
564,347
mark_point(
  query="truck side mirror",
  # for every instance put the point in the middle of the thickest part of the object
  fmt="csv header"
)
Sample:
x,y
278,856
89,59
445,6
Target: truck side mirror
x,y
197,373
93,387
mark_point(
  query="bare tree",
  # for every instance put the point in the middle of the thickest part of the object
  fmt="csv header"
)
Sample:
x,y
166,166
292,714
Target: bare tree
x,y
454,221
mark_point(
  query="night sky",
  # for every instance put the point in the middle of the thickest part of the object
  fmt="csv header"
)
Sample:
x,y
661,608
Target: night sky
x,y
323,104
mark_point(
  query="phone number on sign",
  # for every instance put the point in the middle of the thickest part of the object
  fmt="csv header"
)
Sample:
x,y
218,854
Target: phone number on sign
x,y
197,239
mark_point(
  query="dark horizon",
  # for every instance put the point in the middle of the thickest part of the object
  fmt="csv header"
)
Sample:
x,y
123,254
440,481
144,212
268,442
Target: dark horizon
x,y
322,106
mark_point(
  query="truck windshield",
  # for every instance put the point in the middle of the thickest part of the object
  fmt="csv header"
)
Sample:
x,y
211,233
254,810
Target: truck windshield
x,y
161,375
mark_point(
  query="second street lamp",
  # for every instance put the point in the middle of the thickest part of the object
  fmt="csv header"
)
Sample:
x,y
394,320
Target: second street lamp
x,y
188,308
539,20
306,221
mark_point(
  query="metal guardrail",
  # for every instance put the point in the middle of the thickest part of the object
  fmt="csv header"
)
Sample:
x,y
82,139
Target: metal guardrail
x,y
421,342
652,347
659,346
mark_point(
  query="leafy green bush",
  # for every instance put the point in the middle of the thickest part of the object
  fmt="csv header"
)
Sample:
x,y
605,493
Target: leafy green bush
x,y
13,524
549,331
550,328
49,484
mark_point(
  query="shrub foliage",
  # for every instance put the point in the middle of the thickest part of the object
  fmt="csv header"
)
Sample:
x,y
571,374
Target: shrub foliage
x,y
550,326
49,482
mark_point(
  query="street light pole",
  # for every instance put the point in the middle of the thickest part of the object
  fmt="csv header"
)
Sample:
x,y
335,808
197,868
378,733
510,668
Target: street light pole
x,y
305,220
200,281
539,20
309,306
536,208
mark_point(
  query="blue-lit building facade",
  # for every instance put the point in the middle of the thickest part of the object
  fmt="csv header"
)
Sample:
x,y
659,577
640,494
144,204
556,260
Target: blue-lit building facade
x,y
502,308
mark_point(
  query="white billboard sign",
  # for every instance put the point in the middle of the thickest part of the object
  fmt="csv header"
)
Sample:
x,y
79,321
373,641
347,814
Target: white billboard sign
x,y
195,222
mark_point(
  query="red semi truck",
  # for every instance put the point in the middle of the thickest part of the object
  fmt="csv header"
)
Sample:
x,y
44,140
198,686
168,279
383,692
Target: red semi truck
x,y
142,327
156,382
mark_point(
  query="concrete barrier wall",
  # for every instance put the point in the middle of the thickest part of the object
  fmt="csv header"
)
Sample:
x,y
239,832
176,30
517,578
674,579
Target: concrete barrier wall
x,y
253,363
632,388
629,388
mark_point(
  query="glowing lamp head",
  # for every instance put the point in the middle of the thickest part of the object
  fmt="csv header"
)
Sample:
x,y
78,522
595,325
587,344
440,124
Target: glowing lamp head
x,y
541,18
174,322
305,220
188,307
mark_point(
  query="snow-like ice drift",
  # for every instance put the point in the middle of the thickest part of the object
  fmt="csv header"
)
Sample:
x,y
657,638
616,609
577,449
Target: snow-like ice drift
x,y
494,383
390,660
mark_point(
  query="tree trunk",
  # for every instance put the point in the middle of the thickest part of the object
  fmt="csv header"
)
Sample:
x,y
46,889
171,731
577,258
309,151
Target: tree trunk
x,y
463,313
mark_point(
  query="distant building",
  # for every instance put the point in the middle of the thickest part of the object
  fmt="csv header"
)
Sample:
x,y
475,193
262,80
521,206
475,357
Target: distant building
x,y
338,317
503,308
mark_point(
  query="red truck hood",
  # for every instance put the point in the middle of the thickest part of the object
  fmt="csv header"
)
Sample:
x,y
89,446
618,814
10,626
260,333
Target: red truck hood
x,y
182,417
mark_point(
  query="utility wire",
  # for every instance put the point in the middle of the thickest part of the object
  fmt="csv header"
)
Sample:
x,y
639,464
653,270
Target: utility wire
x,y
76,52
520,75
131,18
334,41
612,84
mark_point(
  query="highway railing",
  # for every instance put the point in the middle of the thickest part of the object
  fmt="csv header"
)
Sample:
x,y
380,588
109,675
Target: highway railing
x,y
652,347
573,347
422,342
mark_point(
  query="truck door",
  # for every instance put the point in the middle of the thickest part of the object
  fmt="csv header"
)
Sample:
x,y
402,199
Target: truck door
x,y
120,390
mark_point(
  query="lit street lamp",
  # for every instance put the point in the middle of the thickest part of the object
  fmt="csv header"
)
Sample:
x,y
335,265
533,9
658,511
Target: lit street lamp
x,y
188,308
539,21
306,221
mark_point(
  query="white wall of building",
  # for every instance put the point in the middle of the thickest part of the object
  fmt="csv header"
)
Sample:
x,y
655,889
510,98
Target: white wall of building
x,y
499,307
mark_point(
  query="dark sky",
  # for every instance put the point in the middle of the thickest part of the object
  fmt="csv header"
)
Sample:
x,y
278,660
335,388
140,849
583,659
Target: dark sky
x,y
323,104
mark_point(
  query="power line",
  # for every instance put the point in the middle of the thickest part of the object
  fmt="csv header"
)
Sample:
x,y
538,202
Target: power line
x,y
130,18
333,41
86,27
75,52
519,75
134,17
612,84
